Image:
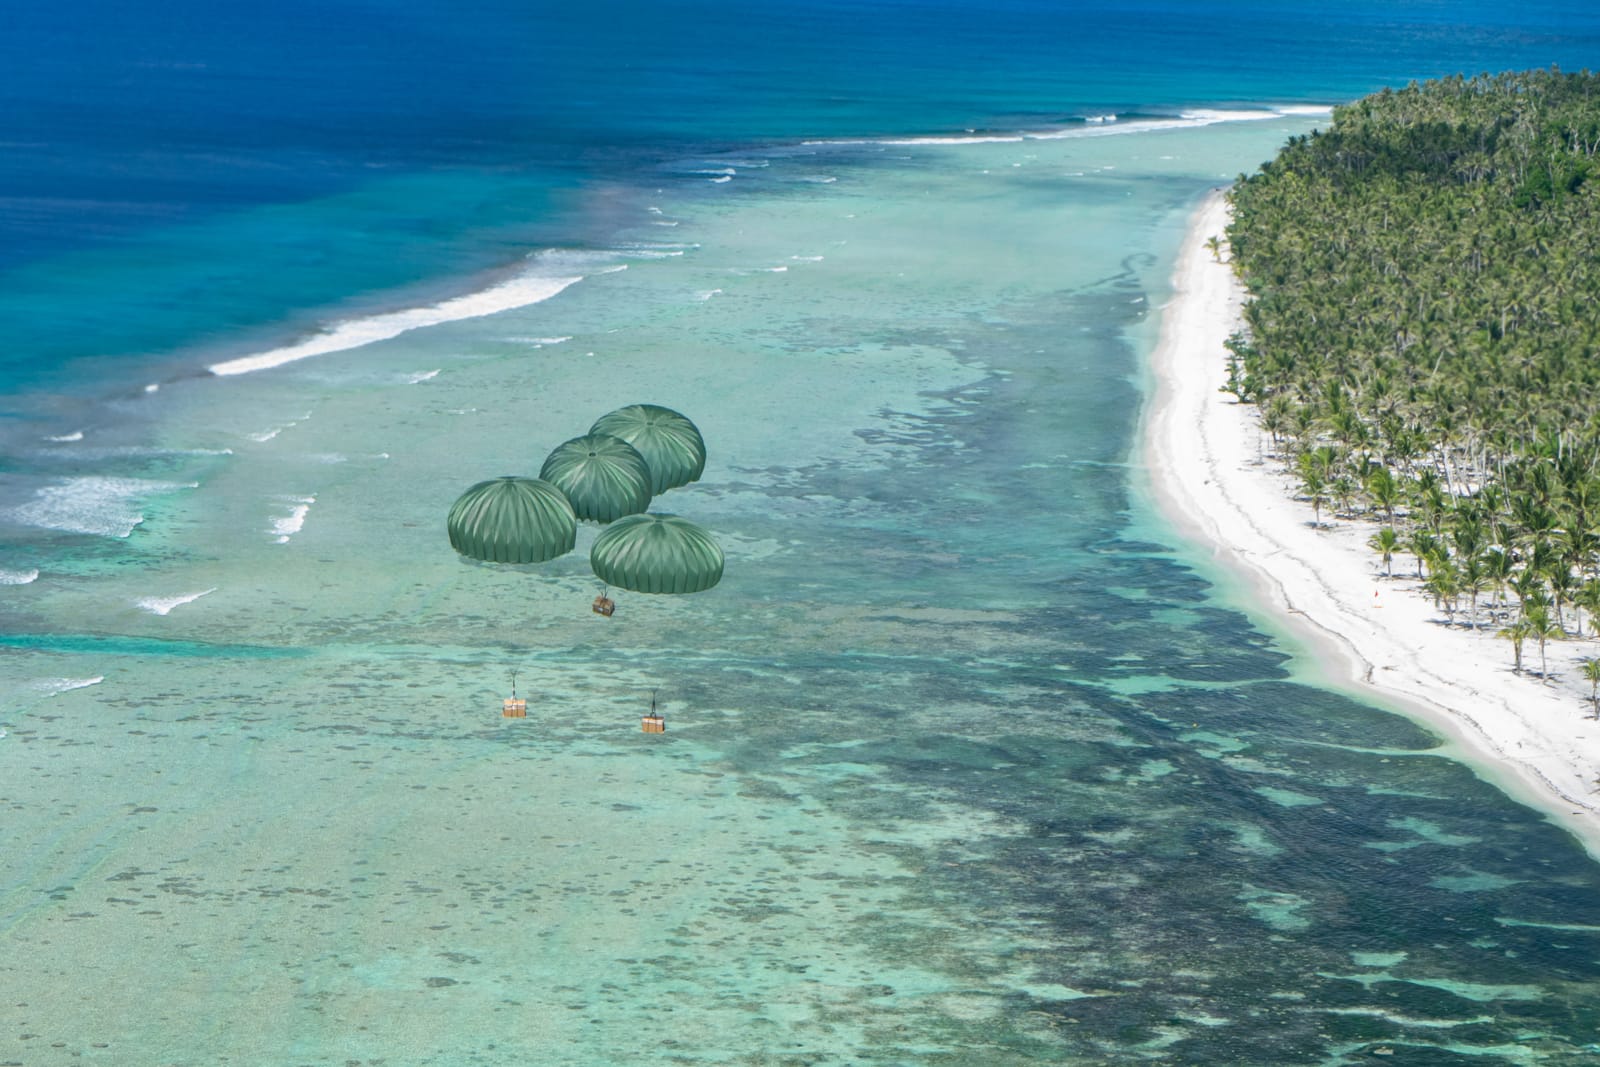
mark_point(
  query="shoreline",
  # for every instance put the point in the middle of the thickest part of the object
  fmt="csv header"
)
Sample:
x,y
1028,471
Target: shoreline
x,y
1380,638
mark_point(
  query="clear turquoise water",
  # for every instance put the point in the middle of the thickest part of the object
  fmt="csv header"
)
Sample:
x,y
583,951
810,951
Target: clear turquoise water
x,y
967,761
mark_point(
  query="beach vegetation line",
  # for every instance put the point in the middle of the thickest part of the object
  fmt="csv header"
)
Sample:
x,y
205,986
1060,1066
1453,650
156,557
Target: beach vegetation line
x,y
1420,338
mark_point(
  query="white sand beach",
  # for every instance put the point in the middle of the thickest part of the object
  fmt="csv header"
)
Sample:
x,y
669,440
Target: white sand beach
x,y
1213,474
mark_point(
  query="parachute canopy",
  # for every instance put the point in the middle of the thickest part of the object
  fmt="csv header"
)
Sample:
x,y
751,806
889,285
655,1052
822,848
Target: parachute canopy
x,y
670,444
512,520
656,554
603,477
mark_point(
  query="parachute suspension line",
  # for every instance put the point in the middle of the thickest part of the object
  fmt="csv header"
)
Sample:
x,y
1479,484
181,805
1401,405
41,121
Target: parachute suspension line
x,y
514,707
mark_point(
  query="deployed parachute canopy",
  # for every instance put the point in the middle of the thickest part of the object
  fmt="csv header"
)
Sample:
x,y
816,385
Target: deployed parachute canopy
x,y
656,554
604,477
670,444
512,520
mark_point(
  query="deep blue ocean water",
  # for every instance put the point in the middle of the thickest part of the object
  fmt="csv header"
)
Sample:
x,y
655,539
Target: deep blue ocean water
x,y
203,177
969,762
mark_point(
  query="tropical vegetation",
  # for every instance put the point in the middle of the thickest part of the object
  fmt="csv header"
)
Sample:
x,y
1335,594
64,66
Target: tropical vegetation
x,y
1422,335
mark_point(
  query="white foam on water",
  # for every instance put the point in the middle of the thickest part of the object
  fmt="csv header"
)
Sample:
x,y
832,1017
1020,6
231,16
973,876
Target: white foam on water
x,y
724,178
51,686
663,222
286,526
76,435
137,452
1094,126
932,139
18,577
1210,115
518,292
806,259
98,505
727,172
161,605
818,179
153,387
707,294
266,435
421,376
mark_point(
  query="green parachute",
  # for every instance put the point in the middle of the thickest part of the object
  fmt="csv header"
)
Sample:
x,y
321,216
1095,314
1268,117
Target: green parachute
x,y
512,520
670,444
656,554
603,477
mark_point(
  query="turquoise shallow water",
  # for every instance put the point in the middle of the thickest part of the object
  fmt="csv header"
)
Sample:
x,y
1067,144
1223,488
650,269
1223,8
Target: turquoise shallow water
x,y
965,763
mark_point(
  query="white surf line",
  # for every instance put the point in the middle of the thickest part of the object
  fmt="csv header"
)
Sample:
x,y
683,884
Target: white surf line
x,y
518,292
1095,126
266,435
536,342
51,686
161,605
286,526
108,507
18,577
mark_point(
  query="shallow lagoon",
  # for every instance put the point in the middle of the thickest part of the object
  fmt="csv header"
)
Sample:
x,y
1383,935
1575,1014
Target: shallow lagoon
x,y
966,762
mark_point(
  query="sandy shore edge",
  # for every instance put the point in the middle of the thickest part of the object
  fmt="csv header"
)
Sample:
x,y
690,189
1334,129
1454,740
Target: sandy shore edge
x,y
1379,637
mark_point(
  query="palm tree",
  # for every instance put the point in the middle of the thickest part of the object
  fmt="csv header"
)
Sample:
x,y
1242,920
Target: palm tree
x,y
1588,599
1386,542
1497,565
1542,627
1444,582
1423,545
1383,491
1429,500
1474,574
1591,671
1529,587
1343,489
1316,487
1214,246
1563,585
1516,631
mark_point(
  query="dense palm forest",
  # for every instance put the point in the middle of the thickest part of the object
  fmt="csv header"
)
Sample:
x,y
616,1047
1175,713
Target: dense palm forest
x,y
1423,336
